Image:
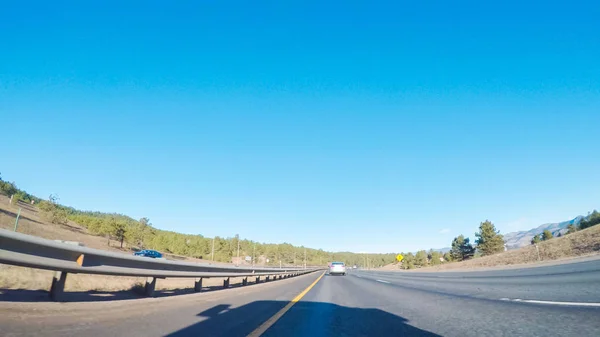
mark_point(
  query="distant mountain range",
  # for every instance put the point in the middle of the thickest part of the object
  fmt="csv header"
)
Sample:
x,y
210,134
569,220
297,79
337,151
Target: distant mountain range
x,y
442,250
520,239
439,250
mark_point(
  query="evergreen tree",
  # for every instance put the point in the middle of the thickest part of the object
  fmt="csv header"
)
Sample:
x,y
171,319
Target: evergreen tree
x,y
461,249
547,235
448,257
421,259
434,258
571,229
592,220
489,240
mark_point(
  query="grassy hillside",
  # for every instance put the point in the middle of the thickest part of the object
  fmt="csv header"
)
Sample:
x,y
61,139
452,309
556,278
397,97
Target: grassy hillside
x,y
581,243
49,219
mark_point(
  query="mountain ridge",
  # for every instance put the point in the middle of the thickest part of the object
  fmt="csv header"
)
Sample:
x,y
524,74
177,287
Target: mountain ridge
x,y
515,240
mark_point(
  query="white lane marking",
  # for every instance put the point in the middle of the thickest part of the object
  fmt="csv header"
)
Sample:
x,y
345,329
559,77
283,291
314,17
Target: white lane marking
x,y
382,281
582,304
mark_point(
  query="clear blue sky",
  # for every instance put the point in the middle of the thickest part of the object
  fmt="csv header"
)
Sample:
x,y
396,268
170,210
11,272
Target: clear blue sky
x,y
335,125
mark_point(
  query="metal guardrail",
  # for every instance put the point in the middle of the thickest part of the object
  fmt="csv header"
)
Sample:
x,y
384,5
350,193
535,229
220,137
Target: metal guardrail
x,y
29,251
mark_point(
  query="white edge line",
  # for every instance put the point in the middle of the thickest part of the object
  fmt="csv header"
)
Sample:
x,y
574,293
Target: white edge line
x,y
581,304
382,281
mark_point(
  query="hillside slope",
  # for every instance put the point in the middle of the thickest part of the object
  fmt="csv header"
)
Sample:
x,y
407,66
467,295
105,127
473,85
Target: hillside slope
x,y
515,240
581,243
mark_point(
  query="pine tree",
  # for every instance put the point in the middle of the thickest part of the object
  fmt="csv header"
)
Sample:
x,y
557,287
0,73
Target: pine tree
x,y
547,235
489,240
536,239
421,259
434,257
448,257
591,220
461,249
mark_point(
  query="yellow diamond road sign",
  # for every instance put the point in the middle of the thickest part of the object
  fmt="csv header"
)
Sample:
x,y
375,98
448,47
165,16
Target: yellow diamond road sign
x,y
399,257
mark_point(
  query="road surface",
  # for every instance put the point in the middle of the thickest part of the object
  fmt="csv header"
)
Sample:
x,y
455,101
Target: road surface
x,y
364,303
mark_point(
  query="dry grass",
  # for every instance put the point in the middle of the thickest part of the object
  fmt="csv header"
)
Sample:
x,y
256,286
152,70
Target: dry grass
x,y
30,222
12,277
581,243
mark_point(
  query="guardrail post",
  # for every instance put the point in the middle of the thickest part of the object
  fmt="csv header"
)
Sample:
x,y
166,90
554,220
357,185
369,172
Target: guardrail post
x,y
245,281
198,285
150,286
58,285
226,283
267,279
257,279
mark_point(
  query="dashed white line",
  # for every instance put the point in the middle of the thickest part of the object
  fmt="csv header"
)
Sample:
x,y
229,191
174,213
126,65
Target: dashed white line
x,y
572,304
382,281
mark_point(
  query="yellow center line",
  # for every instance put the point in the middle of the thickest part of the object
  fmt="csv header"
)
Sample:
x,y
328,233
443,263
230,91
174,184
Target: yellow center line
x,y
268,323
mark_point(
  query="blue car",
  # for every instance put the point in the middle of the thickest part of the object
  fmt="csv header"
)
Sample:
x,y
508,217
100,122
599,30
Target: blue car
x,y
149,253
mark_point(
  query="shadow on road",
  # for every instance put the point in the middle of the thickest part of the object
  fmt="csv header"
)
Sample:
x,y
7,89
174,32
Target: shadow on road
x,y
22,295
311,319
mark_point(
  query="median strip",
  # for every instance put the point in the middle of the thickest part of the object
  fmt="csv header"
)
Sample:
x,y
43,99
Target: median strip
x,y
267,324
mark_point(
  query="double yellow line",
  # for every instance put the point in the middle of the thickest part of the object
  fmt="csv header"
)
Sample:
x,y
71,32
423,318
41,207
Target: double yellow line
x,y
267,324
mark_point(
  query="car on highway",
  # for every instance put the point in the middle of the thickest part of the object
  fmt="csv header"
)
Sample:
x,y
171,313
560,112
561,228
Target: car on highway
x,y
149,253
337,268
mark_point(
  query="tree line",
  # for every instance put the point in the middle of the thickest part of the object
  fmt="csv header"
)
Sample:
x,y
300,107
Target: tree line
x,y
141,234
591,220
489,241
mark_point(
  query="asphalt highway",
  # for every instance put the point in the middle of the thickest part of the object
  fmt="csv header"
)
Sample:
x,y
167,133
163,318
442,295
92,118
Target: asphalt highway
x,y
559,300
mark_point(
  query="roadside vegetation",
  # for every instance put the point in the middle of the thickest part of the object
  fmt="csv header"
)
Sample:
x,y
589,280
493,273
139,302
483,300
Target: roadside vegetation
x,y
488,249
131,234
489,241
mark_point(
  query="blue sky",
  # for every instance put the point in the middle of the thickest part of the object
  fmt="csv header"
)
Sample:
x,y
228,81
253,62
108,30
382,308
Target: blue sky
x,y
343,126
